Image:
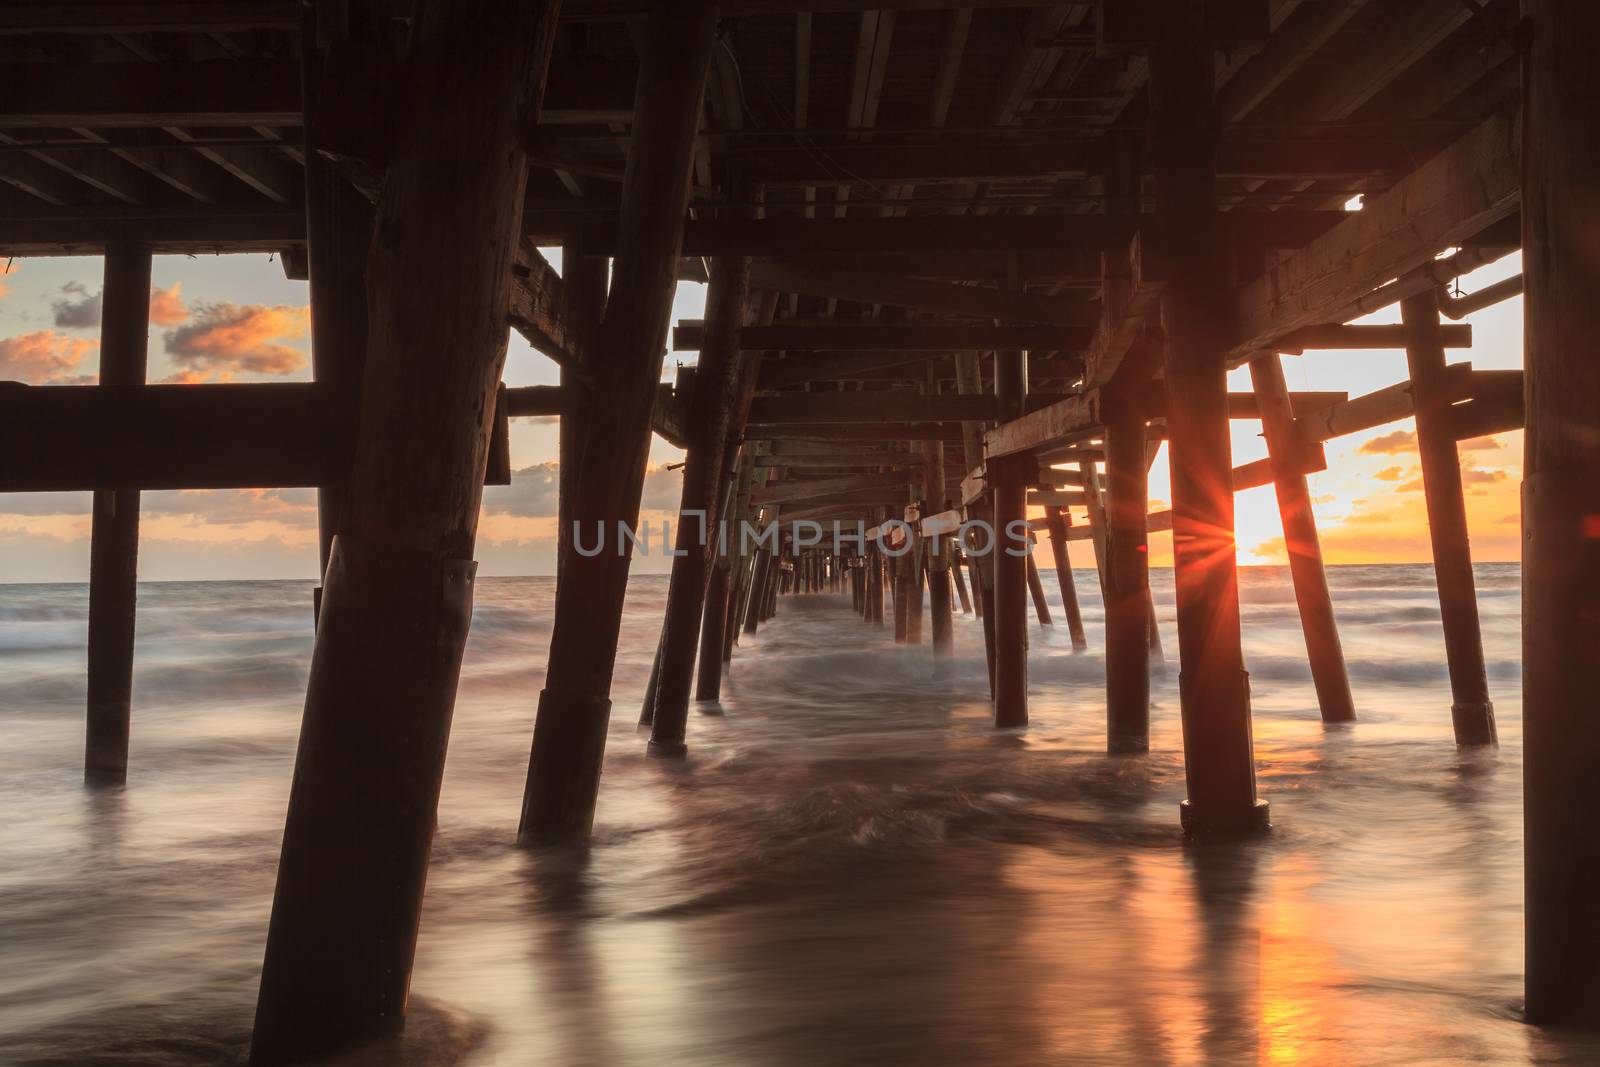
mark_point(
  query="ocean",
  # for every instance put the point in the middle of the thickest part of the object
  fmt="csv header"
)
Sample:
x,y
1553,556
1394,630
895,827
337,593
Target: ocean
x,y
852,867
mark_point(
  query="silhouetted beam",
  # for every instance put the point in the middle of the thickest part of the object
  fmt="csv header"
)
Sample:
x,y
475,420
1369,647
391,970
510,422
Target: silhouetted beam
x,y
781,492
939,297
862,431
792,370
63,438
233,92
1451,197
875,163
940,337
1049,425
1363,337
578,10
534,400
1068,268
870,407
786,237
85,231
542,314
211,16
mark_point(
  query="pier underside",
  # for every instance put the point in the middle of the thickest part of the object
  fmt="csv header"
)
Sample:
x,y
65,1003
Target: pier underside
x,y
970,268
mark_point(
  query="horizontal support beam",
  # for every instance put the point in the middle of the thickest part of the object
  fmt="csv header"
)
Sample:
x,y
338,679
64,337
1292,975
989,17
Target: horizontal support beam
x,y
541,313
1450,198
884,337
895,405
193,231
940,297
797,370
221,92
862,431
1041,160
65,438
194,16
1049,425
781,492
1380,337
785,237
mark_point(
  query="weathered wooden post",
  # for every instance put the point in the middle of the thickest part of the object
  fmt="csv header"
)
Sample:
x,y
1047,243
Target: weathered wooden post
x,y
716,419
1310,578
1219,761
1127,576
720,591
575,707
757,603
1011,554
583,284
114,535
397,597
1561,512
338,243
1057,521
1041,607
957,569
1470,710
938,551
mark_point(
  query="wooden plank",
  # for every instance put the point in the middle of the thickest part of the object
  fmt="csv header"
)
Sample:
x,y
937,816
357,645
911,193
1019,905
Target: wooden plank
x,y
1390,404
797,370
1051,425
786,237
1456,194
939,297
863,431
1333,336
541,312
1056,498
188,231
780,492
898,405
880,337
233,92
209,16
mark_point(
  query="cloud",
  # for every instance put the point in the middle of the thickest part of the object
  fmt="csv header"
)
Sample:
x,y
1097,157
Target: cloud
x,y
1480,444
534,492
224,338
44,357
1390,444
1392,474
167,307
1481,476
80,314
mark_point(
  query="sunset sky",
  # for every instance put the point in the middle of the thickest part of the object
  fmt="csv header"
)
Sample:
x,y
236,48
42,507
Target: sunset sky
x,y
236,318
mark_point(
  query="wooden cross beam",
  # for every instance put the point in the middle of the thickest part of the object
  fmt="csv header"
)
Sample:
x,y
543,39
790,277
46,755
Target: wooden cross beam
x,y
196,230
939,297
880,337
231,92
1453,196
66,438
802,489
786,237
895,405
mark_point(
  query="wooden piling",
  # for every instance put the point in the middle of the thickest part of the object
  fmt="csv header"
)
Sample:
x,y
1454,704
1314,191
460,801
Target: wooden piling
x,y
1471,712
757,603
574,708
380,696
716,420
1011,554
1010,596
1218,757
1127,576
1310,578
1561,513
1057,521
1041,607
114,534
957,569
937,551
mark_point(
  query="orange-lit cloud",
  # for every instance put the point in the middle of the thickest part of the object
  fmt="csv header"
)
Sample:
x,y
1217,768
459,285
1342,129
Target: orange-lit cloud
x,y
224,338
1391,444
1391,474
167,307
45,357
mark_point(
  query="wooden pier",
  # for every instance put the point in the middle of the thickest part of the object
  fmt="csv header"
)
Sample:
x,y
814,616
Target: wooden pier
x,y
969,263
